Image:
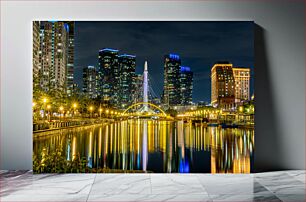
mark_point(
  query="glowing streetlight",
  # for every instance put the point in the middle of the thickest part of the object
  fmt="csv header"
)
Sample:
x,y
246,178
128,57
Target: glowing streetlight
x,y
49,113
240,109
75,105
44,106
61,111
100,110
91,109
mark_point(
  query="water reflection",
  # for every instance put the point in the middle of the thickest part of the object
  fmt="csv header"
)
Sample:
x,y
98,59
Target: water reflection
x,y
155,146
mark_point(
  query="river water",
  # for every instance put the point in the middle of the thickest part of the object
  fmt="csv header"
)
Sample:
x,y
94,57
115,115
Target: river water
x,y
155,146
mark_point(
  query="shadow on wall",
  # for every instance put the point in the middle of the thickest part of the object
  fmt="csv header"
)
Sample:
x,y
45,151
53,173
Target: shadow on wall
x,y
267,146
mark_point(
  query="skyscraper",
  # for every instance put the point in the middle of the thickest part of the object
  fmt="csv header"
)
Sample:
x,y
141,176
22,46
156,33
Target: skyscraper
x,y
127,66
222,85
186,85
171,92
138,88
109,76
36,52
53,57
90,81
70,59
242,83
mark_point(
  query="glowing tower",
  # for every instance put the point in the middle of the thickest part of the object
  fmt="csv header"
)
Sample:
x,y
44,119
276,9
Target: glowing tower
x,y
145,86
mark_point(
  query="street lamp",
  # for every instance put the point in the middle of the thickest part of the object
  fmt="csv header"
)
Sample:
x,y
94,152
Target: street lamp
x,y
49,107
74,108
241,114
61,110
100,110
44,101
90,109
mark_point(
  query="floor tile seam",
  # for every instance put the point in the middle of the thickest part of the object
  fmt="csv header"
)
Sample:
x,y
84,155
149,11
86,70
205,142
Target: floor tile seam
x,y
284,176
300,183
245,195
268,191
91,187
267,187
208,194
272,176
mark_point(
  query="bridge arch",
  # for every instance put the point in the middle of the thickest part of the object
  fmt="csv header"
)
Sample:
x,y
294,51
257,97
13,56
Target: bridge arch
x,y
144,103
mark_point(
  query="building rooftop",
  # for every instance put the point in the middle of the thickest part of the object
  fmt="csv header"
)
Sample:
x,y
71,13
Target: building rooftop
x,y
173,56
108,50
127,55
242,68
185,69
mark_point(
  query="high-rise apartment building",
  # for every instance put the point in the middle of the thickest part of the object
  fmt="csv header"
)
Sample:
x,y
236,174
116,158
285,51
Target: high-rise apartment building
x,y
222,85
186,85
70,58
138,88
242,77
53,57
36,52
90,76
171,92
127,67
109,76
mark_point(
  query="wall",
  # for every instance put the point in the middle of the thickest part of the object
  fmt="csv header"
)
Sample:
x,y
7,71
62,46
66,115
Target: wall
x,y
279,67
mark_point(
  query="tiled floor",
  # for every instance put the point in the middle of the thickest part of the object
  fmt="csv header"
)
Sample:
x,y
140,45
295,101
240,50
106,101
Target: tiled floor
x,y
271,186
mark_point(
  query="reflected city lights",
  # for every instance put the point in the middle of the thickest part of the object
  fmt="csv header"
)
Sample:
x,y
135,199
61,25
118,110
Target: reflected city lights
x,y
155,146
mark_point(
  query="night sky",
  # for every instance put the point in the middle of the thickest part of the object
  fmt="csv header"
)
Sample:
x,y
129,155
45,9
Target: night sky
x,y
199,44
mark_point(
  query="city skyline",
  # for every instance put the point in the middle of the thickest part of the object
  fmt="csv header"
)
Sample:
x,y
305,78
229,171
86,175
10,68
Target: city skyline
x,y
208,43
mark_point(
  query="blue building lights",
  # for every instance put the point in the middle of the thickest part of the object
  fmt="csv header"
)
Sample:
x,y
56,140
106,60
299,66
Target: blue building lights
x,y
108,49
128,56
66,27
184,166
174,56
185,69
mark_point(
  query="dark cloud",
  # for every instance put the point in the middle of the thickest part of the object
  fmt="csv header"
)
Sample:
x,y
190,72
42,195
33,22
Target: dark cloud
x,y
200,45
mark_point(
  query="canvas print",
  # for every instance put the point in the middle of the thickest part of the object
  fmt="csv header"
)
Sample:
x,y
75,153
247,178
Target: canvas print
x,y
143,96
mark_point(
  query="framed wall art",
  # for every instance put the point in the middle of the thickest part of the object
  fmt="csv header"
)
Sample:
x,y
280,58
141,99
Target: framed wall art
x,y
143,96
